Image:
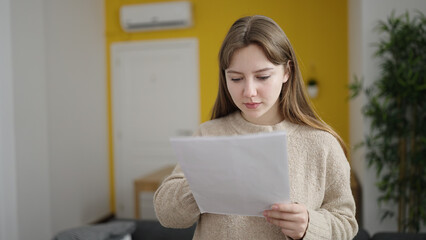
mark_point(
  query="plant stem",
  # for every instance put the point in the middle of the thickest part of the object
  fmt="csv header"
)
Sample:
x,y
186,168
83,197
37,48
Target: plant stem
x,y
414,211
402,183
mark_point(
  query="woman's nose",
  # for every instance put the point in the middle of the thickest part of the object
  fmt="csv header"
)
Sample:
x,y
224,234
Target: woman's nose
x,y
250,89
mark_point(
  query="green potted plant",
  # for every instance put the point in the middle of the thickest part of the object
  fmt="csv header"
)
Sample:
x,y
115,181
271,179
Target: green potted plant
x,y
396,109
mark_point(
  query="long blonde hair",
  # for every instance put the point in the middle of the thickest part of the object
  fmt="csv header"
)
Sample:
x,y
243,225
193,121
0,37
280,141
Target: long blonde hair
x,y
264,32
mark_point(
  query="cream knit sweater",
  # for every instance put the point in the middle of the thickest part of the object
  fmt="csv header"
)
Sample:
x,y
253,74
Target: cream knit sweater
x,y
319,179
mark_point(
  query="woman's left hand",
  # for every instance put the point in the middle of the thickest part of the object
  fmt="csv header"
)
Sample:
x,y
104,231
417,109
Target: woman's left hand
x,y
292,218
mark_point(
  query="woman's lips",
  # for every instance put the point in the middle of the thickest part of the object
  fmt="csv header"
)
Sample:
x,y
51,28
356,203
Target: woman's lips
x,y
251,105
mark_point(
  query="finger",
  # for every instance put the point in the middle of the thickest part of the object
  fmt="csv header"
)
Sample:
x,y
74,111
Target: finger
x,y
288,228
281,223
290,217
275,214
288,207
287,223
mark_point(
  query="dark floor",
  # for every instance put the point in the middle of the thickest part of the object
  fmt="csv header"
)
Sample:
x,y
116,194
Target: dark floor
x,y
152,230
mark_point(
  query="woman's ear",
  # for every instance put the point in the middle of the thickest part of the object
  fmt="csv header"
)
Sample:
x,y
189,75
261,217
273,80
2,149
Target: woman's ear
x,y
287,71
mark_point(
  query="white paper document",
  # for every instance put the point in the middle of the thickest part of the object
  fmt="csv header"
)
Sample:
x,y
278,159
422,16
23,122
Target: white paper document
x,y
236,175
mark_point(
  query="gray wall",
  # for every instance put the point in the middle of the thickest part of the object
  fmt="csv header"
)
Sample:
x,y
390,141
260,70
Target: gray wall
x,y
8,212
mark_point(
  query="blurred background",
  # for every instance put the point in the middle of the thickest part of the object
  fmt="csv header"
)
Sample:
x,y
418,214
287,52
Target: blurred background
x,y
86,106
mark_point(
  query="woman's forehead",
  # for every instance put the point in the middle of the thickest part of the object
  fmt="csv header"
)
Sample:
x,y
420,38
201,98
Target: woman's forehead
x,y
251,55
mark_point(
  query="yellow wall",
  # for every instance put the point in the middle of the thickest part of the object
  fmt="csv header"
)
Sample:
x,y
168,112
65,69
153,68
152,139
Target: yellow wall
x,y
317,30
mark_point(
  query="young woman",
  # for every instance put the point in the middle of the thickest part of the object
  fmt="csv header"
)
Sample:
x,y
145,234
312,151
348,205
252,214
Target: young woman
x,y
261,90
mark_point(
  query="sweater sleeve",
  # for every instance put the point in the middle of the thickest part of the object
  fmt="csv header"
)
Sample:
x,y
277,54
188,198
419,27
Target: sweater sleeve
x,y
174,203
335,219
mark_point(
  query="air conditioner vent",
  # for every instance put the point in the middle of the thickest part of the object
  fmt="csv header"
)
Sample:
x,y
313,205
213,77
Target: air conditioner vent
x,y
156,16
170,24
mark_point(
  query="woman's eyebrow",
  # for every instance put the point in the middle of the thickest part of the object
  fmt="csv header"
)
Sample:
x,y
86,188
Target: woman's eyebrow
x,y
262,70
257,71
232,71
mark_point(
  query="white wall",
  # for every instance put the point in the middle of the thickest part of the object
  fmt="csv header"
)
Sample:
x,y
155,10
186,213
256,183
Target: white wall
x,y
29,77
53,102
76,94
363,17
8,209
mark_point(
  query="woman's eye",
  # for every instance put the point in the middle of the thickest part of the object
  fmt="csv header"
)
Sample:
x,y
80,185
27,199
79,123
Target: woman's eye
x,y
235,79
263,77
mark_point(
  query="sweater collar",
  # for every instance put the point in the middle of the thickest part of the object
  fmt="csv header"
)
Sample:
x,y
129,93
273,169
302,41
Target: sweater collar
x,y
242,126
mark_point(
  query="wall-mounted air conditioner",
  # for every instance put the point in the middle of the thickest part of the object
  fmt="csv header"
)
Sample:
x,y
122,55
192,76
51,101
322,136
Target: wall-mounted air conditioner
x,y
155,16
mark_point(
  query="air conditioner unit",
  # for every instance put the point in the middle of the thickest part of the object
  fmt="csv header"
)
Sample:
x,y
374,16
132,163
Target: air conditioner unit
x,y
156,16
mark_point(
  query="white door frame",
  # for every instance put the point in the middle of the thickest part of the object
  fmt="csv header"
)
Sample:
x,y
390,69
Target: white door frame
x,y
117,50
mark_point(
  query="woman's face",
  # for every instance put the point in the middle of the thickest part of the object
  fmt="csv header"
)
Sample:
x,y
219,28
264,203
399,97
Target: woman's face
x,y
254,84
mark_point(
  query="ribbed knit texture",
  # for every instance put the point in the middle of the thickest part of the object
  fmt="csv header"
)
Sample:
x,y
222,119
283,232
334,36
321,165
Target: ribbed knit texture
x,y
319,179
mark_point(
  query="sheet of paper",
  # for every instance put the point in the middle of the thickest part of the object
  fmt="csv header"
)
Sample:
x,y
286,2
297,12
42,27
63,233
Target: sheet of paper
x,y
236,175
